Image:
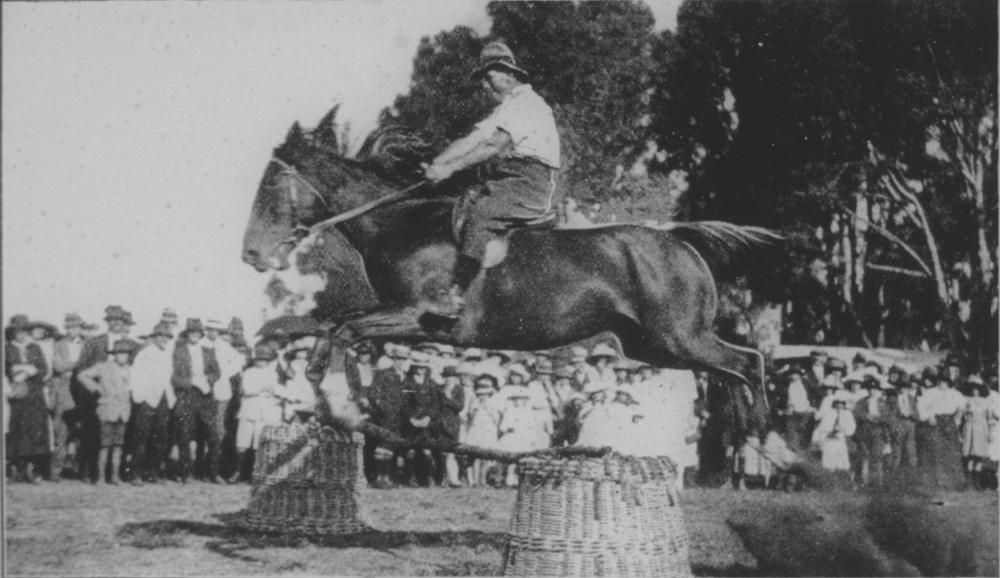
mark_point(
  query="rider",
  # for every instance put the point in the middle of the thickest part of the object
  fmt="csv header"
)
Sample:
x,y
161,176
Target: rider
x,y
517,151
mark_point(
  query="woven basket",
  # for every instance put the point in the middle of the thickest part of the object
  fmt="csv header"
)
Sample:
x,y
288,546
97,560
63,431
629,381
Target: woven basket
x,y
304,482
614,516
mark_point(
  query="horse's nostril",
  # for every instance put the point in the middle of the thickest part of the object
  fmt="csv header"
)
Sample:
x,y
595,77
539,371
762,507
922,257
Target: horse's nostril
x,y
250,256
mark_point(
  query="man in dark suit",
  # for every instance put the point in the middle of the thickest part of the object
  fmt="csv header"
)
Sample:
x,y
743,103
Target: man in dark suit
x,y
196,369
385,410
94,351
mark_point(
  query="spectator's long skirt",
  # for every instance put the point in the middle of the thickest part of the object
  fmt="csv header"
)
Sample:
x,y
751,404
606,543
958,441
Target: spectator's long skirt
x,y
30,433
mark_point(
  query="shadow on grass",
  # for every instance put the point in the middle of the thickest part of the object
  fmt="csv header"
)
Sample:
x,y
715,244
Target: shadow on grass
x,y
231,541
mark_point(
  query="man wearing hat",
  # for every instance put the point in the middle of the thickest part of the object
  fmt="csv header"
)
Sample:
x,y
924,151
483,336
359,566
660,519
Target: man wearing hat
x,y
195,372
153,398
65,428
516,149
111,381
386,410
94,351
359,370
231,366
871,416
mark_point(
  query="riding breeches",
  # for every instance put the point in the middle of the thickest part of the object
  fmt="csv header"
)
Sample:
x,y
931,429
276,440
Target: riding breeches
x,y
516,193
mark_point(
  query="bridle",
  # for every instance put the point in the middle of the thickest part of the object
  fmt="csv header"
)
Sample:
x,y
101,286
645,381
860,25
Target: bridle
x,y
297,178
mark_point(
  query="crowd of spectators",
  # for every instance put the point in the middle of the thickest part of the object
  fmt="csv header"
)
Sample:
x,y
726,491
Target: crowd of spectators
x,y
866,421
176,404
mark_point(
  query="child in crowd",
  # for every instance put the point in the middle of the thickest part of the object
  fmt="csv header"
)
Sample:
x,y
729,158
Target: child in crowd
x,y
483,425
261,404
110,381
831,436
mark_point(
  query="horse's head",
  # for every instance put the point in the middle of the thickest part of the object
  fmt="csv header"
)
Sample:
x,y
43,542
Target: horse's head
x,y
309,179
288,201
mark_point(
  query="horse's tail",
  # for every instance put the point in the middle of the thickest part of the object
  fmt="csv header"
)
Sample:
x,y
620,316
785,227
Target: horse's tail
x,y
723,244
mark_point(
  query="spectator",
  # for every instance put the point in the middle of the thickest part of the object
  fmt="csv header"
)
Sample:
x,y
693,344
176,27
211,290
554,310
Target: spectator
x,y
110,380
750,422
518,427
360,371
231,364
195,372
28,440
65,358
451,403
596,426
976,415
260,404
831,435
901,420
420,411
815,375
600,366
940,413
94,351
871,416
799,412
300,397
484,419
386,411
153,399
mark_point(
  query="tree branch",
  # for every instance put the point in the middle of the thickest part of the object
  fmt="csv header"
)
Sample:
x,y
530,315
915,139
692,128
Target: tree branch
x,y
900,270
889,235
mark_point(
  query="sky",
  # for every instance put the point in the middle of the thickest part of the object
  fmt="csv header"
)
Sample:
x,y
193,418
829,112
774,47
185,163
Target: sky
x,y
134,135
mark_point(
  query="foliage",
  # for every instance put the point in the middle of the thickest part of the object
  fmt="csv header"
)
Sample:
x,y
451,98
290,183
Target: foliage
x,y
865,129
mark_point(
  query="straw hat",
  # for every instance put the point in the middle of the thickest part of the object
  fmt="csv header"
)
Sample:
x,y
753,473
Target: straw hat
x,y
420,359
578,354
473,353
543,367
72,320
520,370
602,350
216,325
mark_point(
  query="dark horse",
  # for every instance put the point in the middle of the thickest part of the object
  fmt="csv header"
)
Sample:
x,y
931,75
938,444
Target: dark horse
x,y
653,288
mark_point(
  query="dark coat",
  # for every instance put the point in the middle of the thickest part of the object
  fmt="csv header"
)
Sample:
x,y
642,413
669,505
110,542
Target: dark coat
x,y
353,375
449,423
64,369
420,401
29,416
872,431
386,398
181,377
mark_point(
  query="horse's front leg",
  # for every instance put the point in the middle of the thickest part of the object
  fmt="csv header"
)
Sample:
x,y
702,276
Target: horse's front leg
x,y
398,323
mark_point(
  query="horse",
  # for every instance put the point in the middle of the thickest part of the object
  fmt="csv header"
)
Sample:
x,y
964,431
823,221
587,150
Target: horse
x,y
653,288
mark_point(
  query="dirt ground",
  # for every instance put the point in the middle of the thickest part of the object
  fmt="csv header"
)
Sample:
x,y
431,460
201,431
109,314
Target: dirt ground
x,y
77,529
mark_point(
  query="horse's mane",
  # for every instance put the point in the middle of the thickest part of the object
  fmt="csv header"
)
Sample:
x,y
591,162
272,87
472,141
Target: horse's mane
x,y
394,151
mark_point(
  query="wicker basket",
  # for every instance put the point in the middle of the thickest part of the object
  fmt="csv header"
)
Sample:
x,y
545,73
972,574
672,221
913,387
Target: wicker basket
x,y
304,481
615,516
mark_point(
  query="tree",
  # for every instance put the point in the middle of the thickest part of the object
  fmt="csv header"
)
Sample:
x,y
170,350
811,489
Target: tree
x,y
868,132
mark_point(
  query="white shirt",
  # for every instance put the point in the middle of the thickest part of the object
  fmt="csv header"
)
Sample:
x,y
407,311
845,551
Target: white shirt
x,y
47,346
151,372
231,363
798,399
198,377
528,119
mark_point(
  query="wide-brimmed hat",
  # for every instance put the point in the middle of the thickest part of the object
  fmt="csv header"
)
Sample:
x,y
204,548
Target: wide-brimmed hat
x,y
216,325
473,353
520,370
364,347
578,354
193,326
818,353
830,382
128,318
543,367
602,350
115,312
445,349
489,376
835,364
169,315
563,372
428,347
400,352
420,359
876,366
497,55
162,329
72,320
505,355
235,326
19,323
122,346
449,371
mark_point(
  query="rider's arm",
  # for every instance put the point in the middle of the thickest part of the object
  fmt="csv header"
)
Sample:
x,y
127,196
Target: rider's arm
x,y
469,151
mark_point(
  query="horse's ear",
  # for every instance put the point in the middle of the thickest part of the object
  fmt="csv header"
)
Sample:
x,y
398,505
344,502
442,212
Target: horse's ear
x,y
294,135
326,132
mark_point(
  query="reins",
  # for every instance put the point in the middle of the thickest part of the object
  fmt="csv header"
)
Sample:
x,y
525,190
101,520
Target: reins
x,y
310,188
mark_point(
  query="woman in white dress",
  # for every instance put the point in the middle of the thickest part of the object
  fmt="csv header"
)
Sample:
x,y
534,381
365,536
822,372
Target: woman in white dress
x,y
484,419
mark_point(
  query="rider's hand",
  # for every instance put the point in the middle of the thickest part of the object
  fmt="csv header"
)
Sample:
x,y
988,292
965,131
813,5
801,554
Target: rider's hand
x,y
436,173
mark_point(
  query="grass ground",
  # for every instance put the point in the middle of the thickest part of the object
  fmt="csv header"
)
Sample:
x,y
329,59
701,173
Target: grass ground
x,y
76,529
